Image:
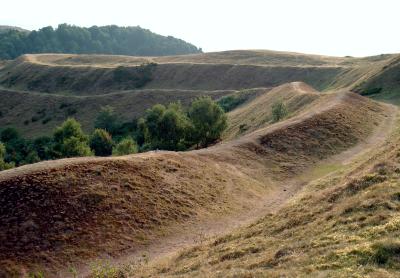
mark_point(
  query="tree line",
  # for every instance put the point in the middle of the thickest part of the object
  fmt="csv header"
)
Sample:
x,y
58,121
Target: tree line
x,y
93,40
170,127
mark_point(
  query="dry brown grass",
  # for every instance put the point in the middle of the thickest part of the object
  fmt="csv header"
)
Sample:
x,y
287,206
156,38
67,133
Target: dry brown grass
x,y
60,212
343,225
62,75
243,120
20,108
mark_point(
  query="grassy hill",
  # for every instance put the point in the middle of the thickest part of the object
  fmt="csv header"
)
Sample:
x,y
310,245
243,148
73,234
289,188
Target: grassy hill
x,y
75,210
344,224
132,84
6,28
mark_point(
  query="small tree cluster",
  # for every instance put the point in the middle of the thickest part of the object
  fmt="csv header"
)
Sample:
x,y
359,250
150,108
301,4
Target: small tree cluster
x,y
171,128
162,127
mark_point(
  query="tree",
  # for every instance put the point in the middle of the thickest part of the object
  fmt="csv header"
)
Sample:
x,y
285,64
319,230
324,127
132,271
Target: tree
x,y
107,120
126,146
70,141
166,128
44,147
208,120
101,143
279,111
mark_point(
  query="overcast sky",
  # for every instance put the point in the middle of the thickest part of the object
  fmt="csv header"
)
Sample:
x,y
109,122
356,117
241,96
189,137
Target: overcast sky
x,y
331,27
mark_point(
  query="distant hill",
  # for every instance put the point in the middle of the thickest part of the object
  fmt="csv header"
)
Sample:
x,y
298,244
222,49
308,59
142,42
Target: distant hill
x,y
6,28
111,39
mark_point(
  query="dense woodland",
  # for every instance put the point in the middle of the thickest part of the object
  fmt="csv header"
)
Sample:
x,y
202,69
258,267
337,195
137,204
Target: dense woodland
x,y
94,40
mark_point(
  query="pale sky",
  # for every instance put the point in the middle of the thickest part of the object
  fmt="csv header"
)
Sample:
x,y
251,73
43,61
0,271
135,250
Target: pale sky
x,y
330,27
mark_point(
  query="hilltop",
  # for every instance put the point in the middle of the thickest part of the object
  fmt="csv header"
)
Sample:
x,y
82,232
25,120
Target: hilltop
x,y
6,28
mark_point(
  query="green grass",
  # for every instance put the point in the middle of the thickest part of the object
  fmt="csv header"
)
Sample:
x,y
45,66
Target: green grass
x,y
392,97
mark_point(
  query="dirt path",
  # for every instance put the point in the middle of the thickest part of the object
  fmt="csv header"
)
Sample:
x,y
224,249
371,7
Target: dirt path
x,y
190,234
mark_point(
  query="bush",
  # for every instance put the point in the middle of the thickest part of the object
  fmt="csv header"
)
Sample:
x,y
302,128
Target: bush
x,y
208,120
126,146
107,120
70,140
9,134
279,111
228,103
101,143
165,128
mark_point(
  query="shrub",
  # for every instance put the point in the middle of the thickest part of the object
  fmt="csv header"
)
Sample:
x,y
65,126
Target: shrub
x,y
166,128
279,111
228,103
126,146
107,120
73,147
9,134
70,140
101,143
208,120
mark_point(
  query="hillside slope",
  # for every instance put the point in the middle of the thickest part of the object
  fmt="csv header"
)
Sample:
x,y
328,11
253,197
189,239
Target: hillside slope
x,y
142,81
95,74
37,114
345,224
258,113
60,212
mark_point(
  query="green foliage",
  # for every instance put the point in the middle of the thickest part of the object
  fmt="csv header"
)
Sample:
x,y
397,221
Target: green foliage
x,y
228,103
279,111
107,120
101,143
9,134
165,128
18,149
126,146
44,147
3,164
102,40
208,121
70,141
